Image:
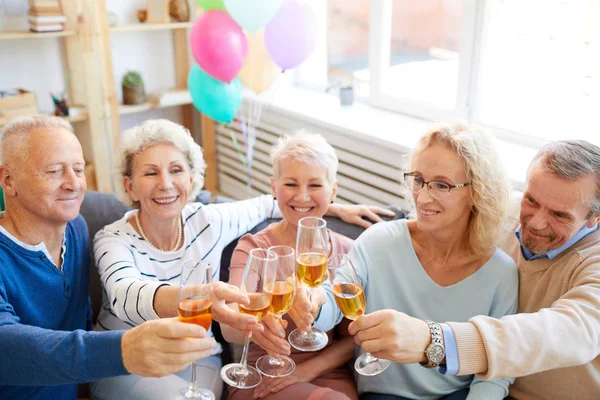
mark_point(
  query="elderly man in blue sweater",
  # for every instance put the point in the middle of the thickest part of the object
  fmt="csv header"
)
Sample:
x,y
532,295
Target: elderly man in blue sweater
x,y
47,344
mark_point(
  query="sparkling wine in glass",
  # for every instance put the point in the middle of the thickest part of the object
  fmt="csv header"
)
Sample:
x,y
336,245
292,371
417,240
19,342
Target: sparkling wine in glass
x,y
312,249
281,302
257,282
350,298
195,307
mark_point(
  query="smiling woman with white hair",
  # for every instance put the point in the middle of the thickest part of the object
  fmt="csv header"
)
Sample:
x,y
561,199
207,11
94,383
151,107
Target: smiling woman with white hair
x,y
140,256
304,183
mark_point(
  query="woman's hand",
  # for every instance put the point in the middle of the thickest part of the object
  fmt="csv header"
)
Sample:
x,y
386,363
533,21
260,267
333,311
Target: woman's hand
x,y
353,214
392,335
302,312
220,294
273,385
272,338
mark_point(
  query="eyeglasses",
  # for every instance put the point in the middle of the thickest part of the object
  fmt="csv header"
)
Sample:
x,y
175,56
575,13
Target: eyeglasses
x,y
437,189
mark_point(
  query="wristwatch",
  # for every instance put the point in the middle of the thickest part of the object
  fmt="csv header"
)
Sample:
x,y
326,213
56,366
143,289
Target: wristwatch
x,y
435,352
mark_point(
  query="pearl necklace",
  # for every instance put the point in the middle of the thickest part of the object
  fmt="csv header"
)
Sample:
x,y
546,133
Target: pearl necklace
x,y
179,234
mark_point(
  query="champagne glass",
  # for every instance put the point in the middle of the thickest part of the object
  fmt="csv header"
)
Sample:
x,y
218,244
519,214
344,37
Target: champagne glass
x,y
195,307
257,282
283,297
312,249
350,298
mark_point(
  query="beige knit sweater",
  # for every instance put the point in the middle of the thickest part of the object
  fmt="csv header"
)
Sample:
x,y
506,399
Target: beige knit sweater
x,y
553,345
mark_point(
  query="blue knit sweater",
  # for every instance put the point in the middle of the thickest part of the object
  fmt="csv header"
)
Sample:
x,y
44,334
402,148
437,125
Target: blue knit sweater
x,y
46,346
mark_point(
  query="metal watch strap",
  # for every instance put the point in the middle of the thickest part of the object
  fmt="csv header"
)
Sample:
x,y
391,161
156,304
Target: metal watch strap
x,y
436,338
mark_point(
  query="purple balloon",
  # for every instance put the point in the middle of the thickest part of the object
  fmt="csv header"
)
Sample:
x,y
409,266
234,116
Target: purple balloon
x,y
291,35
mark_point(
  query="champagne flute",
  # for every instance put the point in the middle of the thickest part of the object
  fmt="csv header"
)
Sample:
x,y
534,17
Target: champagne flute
x,y
283,297
312,249
195,307
257,282
350,298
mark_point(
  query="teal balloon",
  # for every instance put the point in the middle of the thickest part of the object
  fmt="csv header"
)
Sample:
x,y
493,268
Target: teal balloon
x,y
252,15
220,101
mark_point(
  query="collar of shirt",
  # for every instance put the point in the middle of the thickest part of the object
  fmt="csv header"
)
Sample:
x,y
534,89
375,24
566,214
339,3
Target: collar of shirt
x,y
550,254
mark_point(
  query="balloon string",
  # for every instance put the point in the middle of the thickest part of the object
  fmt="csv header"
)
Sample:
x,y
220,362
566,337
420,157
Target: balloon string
x,y
237,147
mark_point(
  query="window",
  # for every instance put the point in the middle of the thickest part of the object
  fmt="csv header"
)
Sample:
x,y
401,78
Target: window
x,y
528,69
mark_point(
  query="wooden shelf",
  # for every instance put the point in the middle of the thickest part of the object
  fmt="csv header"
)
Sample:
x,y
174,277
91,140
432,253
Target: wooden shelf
x,y
8,35
151,27
171,98
82,116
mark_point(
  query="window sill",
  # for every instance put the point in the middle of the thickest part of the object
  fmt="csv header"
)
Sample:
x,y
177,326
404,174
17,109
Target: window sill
x,y
384,128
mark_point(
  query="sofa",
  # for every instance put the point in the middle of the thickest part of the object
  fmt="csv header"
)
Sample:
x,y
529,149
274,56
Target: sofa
x,y
101,209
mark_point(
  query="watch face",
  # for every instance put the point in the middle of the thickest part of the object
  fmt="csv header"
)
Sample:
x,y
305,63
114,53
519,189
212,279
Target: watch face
x,y
435,353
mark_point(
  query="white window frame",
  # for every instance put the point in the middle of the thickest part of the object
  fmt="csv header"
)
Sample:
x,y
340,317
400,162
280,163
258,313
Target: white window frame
x,y
379,55
313,73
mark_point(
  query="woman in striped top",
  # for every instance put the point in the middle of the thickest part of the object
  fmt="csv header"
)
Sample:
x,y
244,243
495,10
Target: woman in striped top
x,y
139,257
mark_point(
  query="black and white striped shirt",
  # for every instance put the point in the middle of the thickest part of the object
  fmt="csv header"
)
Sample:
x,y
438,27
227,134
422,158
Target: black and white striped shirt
x,y
131,270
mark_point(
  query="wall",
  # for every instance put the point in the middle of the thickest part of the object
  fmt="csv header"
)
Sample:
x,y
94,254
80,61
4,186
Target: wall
x,y
37,64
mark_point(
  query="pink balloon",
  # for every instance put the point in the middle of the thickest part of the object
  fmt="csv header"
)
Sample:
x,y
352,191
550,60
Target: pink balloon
x,y
218,44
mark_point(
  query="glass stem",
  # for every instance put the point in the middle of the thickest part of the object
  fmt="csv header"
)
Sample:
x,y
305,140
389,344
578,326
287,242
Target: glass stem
x,y
244,359
309,297
192,389
277,357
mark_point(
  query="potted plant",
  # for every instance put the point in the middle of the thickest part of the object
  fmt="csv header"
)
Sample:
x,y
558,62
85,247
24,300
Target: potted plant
x,y
133,88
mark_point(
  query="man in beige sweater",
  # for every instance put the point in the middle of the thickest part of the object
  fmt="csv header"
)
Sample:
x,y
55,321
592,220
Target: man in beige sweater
x,y
552,345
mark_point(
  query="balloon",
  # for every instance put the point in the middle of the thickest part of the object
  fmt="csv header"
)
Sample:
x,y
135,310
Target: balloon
x,y
211,4
218,100
252,15
218,45
291,35
259,72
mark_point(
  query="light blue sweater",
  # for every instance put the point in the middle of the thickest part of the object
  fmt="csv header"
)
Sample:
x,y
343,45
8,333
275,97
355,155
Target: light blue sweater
x,y
393,278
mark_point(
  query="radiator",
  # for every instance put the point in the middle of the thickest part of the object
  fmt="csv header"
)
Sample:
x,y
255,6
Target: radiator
x,y
368,173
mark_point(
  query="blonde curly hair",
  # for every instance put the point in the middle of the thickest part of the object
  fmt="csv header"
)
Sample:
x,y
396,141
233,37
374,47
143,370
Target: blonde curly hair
x,y
490,188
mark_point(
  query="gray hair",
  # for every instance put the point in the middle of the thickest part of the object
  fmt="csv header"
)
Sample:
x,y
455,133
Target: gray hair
x,y
307,148
17,131
490,187
571,160
150,133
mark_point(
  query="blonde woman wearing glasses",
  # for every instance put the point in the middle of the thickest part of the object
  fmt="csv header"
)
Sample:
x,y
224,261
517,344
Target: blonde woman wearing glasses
x,y
440,266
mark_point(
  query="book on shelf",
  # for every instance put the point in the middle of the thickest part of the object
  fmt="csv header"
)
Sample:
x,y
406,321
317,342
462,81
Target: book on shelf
x,y
44,4
34,12
48,19
47,27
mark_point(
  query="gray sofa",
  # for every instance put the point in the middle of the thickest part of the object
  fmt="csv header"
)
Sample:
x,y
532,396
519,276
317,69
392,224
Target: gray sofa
x,y
101,209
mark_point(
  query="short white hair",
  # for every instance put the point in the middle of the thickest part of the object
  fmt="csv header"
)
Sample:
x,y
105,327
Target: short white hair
x,y
17,131
307,148
150,133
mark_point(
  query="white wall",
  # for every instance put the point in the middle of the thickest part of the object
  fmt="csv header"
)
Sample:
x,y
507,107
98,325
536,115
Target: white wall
x,y
37,64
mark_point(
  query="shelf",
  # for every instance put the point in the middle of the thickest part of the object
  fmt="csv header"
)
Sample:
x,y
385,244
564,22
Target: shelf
x,y
82,116
8,35
150,27
170,98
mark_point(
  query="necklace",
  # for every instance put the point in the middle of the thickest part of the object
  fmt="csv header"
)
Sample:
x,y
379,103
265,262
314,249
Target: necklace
x,y
179,234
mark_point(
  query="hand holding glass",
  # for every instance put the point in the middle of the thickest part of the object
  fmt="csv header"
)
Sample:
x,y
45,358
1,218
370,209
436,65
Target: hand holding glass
x,y
350,298
283,297
312,249
257,282
195,308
